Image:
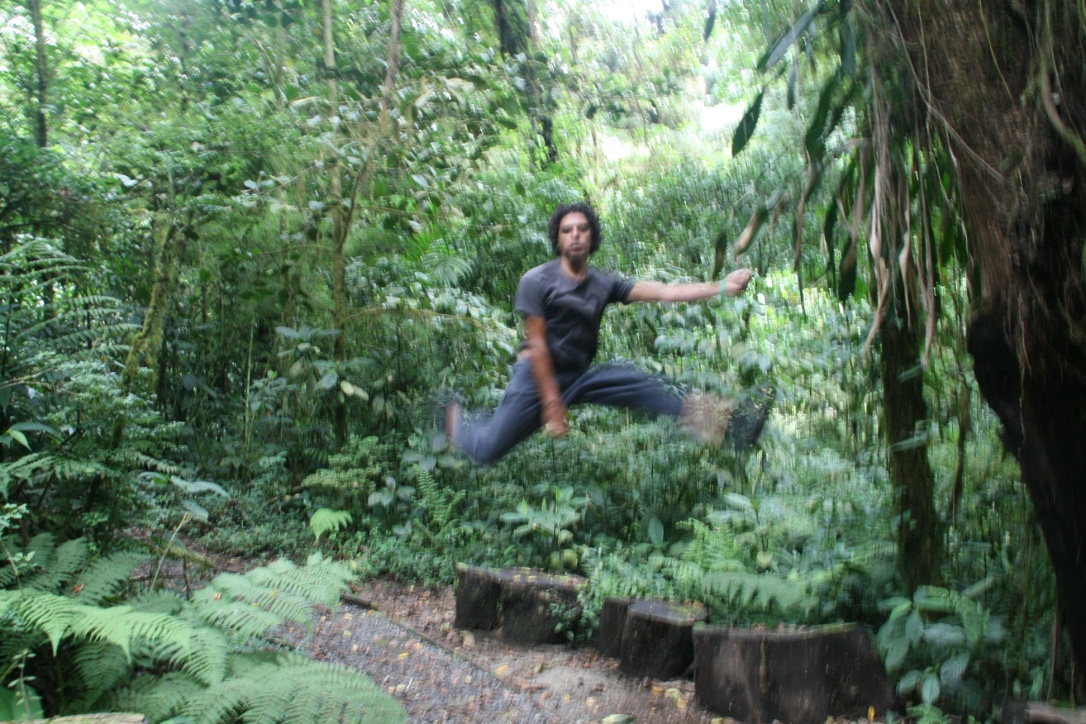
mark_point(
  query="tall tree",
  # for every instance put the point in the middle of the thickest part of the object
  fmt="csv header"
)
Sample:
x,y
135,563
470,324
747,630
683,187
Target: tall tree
x,y
41,72
1009,94
514,20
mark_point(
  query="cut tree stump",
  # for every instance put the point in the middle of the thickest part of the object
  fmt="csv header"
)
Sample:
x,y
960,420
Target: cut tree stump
x,y
657,638
477,594
612,623
800,677
525,605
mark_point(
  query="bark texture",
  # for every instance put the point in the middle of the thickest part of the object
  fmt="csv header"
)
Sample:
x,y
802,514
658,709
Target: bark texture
x,y
1005,82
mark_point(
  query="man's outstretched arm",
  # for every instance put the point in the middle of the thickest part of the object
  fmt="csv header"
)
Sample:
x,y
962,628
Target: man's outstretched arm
x,y
733,285
553,416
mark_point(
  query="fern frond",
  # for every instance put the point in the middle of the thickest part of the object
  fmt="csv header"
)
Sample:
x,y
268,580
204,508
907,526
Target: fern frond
x,y
68,560
158,697
47,612
100,667
208,656
326,520
752,589
158,601
245,621
107,577
292,688
167,637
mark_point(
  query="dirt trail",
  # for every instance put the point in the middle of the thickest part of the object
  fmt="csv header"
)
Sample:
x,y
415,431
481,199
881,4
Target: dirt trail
x,y
409,647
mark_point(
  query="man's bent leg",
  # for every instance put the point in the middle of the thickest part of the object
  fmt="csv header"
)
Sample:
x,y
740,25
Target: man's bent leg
x,y
516,418
623,386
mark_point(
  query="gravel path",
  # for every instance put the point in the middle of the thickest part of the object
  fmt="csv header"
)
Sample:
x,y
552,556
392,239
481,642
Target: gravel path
x,y
440,674
432,684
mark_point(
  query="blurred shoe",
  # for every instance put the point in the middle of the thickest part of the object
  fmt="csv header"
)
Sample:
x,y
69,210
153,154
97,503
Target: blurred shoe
x,y
706,417
750,417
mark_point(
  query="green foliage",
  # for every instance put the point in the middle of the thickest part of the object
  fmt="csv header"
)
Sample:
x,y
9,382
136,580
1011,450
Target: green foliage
x,y
210,129
939,633
326,520
111,646
551,526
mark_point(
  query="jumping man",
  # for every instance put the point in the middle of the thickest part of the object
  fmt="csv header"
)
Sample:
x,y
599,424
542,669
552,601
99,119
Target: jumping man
x,y
562,302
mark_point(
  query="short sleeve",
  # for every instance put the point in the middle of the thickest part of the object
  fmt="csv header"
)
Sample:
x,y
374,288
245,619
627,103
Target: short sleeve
x,y
529,299
620,289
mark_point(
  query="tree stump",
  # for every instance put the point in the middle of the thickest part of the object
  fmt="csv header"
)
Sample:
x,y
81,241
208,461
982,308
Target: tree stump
x,y
657,639
612,623
800,677
477,594
537,607
526,605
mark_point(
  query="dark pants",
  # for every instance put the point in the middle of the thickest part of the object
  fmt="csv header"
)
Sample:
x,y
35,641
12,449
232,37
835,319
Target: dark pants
x,y
518,413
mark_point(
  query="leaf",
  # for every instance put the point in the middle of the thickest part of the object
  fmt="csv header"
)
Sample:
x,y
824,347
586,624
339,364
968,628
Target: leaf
x,y
22,704
848,47
914,627
17,437
785,40
329,380
656,531
198,486
197,511
326,520
814,138
36,427
930,689
952,670
908,682
746,126
738,502
896,655
421,180
944,635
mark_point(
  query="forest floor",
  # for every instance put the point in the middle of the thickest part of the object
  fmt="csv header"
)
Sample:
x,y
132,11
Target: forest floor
x,y
403,637
408,645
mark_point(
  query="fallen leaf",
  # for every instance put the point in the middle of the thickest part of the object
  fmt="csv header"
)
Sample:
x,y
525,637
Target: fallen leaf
x,y
501,669
469,639
618,719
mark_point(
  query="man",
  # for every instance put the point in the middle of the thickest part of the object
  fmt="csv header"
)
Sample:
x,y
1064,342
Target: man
x,y
562,302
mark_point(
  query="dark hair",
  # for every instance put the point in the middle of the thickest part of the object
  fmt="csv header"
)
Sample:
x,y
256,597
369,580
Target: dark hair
x,y
564,210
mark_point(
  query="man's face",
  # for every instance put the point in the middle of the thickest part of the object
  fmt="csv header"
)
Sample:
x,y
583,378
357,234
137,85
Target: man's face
x,y
574,237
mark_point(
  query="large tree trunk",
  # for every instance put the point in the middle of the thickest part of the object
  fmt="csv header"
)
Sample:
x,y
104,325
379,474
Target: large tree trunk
x,y
1007,83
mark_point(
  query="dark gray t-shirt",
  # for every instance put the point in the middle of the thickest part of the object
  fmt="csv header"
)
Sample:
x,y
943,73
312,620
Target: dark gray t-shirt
x,y
571,309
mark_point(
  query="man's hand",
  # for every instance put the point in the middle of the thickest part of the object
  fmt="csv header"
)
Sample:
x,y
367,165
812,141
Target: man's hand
x,y
554,419
736,282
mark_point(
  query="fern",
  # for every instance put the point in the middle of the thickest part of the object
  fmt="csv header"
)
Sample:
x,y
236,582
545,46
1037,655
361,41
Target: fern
x,y
282,688
210,648
759,591
107,578
326,520
440,502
